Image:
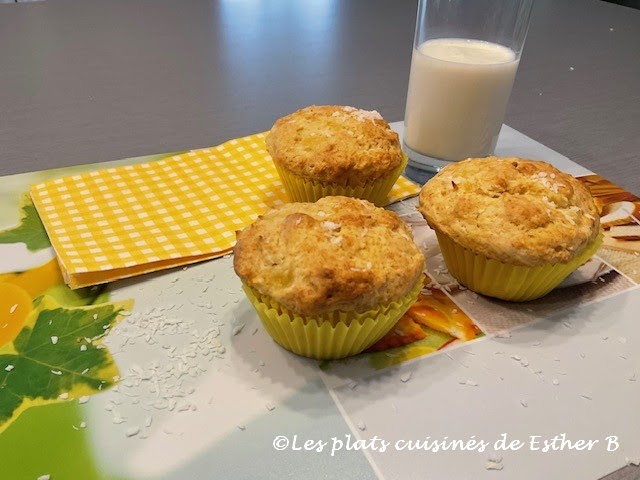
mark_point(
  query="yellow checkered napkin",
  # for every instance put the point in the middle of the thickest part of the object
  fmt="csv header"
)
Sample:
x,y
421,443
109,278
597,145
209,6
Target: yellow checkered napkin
x,y
119,222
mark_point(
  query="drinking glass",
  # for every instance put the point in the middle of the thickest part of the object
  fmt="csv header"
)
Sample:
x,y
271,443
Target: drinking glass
x,y
465,58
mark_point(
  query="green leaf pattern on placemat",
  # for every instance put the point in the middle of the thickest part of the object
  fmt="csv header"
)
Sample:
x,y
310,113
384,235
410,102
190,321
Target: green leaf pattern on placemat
x,y
30,230
57,356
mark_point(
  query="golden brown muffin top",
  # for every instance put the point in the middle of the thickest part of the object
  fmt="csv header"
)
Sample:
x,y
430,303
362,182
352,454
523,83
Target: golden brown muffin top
x,y
339,253
521,212
335,144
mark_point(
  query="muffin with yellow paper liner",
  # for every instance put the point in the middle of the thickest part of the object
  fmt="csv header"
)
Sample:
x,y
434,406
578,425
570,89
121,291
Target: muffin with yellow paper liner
x,y
336,150
328,279
510,228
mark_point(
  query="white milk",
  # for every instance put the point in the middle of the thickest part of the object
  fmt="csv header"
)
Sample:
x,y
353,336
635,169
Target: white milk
x,y
457,96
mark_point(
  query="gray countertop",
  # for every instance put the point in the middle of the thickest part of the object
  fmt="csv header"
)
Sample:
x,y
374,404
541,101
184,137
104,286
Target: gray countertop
x,y
91,81
84,82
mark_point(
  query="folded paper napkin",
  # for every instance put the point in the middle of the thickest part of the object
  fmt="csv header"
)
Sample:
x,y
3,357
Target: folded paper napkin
x,y
119,222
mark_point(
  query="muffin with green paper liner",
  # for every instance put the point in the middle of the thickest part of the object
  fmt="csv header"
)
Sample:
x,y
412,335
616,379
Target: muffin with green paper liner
x,y
336,150
510,228
328,279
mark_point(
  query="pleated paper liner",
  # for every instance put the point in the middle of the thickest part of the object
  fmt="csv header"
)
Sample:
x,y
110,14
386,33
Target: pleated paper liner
x,y
300,189
508,282
336,335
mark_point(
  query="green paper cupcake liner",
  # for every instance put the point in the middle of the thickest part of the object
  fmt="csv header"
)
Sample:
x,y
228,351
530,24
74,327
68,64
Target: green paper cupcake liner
x,y
300,189
507,282
337,334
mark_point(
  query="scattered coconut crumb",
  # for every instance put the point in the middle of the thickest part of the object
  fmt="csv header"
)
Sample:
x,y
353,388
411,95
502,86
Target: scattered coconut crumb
x,y
13,308
556,381
362,426
132,432
524,403
117,419
54,339
237,329
8,368
493,466
468,383
46,476
405,377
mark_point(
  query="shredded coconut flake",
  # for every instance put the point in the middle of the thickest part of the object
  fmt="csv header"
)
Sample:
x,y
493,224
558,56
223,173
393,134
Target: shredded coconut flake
x,y
362,115
493,466
330,225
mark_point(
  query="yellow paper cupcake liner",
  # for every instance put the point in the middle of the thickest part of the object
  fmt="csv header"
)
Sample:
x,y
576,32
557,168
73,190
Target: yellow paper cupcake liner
x,y
338,334
507,282
300,189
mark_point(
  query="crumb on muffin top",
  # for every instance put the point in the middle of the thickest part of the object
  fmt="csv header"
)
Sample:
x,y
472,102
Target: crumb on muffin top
x,y
517,211
338,253
337,144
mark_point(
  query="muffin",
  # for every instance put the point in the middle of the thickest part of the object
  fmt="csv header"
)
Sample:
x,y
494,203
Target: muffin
x,y
328,279
510,228
336,150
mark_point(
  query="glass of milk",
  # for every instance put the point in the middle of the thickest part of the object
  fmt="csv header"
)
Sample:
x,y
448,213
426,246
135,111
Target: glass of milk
x,y
465,58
